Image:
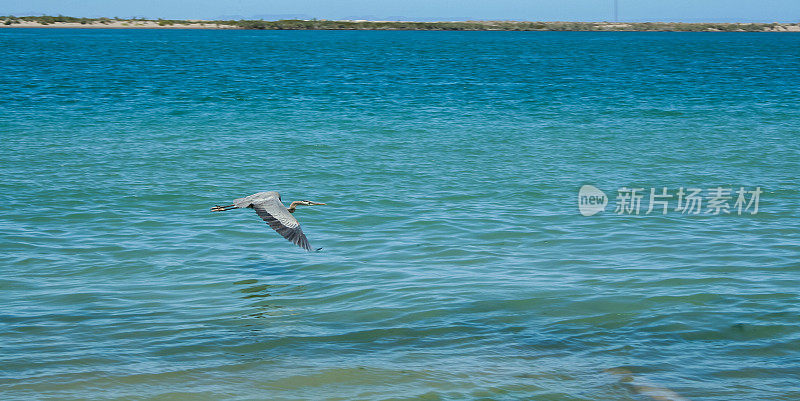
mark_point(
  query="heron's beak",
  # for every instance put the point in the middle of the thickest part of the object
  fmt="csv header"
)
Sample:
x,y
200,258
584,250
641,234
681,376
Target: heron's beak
x,y
316,203
219,208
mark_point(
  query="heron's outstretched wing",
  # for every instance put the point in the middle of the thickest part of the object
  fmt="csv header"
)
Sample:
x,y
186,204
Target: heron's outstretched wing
x,y
278,217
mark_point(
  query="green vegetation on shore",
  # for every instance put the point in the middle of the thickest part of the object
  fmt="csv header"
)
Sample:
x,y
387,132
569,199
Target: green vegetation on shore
x,y
420,26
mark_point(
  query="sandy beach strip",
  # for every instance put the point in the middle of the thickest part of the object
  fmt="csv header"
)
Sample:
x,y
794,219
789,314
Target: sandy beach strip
x,y
122,24
401,25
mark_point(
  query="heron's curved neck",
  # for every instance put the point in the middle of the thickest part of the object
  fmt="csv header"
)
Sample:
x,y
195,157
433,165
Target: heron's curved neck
x,y
293,206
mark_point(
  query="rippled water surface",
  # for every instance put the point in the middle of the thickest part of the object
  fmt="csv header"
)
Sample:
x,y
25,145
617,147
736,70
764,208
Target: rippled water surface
x,y
455,263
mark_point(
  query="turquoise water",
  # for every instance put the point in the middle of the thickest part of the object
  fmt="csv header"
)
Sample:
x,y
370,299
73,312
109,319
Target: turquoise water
x,y
455,262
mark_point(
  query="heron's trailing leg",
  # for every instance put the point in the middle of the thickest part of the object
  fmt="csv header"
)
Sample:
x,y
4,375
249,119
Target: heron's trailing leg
x,y
219,208
302,202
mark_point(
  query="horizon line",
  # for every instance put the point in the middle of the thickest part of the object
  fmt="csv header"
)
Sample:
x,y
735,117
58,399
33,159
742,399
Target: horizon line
x,y
261,18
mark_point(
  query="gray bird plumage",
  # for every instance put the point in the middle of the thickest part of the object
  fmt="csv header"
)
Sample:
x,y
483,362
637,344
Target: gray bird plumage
x,y
269,207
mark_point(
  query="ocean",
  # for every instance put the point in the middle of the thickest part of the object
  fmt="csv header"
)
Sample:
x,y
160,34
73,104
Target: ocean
x,y
456,261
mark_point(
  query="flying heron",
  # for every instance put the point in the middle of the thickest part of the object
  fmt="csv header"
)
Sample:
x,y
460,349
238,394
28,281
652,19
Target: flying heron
x,y
269,207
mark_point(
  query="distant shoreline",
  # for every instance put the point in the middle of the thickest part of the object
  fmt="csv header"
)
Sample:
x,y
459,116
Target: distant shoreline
x,y
115,23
